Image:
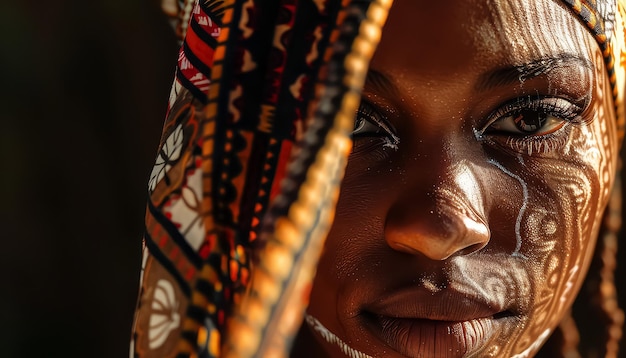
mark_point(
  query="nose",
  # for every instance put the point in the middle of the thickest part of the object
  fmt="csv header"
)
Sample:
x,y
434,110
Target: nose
x,y
438,235
446,222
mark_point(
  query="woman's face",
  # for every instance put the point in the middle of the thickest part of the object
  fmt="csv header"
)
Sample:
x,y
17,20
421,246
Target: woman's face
x,y
484,153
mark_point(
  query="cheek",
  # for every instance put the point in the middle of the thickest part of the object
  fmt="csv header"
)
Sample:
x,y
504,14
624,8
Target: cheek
x,y
562,219
561,227
356,232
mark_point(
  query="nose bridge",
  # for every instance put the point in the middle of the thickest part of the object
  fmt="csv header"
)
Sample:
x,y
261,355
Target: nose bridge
x,y
443,214
465,188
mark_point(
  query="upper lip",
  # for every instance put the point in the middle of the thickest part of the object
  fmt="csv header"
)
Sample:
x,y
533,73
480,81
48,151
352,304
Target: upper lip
x,y
445,305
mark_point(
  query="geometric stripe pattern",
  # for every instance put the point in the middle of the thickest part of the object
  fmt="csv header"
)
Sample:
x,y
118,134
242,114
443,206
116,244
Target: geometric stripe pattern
x,y
225,146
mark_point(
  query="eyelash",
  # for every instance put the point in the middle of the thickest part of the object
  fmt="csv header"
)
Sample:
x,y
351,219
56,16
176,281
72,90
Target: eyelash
x,y
368,115
557,111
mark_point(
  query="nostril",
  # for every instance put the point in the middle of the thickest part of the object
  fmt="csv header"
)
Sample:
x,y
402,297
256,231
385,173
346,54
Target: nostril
x,y
470,249
402,247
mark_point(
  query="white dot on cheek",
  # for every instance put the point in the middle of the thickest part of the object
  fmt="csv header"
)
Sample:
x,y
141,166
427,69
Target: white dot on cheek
x,y
493,351
535,227
549,227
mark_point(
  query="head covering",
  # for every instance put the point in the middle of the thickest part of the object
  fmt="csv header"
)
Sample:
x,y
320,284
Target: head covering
x,y
605,20
261,112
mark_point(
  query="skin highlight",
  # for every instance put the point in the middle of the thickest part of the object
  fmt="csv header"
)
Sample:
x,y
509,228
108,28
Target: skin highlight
x,y
462,238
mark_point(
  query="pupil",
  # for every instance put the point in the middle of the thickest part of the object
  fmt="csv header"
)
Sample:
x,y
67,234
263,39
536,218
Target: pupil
x,y
530,121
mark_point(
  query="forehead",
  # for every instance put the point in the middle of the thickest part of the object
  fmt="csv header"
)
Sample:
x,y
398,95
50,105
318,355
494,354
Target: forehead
x,y
455,36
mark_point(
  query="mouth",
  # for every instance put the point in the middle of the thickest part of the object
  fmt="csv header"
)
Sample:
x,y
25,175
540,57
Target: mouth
x,y
417,337
448,325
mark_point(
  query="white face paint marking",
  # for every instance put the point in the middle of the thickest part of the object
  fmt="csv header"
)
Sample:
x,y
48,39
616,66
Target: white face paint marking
x,y
461,263
497,290
535,346
331,338
568,285
550,227
518,222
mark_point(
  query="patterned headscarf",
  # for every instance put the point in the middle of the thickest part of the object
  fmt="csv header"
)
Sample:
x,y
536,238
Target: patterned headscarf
x,y
261,113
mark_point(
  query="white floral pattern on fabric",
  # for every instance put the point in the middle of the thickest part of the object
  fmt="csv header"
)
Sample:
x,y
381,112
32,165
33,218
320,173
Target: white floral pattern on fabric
x,y
185,210
169,153
174,92
164,318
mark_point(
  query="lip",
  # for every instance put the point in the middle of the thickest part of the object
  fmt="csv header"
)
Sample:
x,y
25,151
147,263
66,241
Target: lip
x,y
420,323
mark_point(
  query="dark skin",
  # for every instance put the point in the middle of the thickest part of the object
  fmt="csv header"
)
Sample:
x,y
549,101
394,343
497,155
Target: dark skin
x,y
484,151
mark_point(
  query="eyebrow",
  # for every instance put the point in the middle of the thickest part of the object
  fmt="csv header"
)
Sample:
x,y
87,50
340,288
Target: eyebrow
x,y
515,74
380,82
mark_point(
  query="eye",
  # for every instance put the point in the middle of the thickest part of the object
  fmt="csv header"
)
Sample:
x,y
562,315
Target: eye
x,y
365,126
532,117
528,122
369,122
532,125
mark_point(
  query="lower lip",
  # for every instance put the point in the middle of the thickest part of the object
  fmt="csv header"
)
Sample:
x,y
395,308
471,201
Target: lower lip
x,y
428,338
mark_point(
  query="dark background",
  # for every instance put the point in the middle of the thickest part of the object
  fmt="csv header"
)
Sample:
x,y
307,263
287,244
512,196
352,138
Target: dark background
x,y
83,93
